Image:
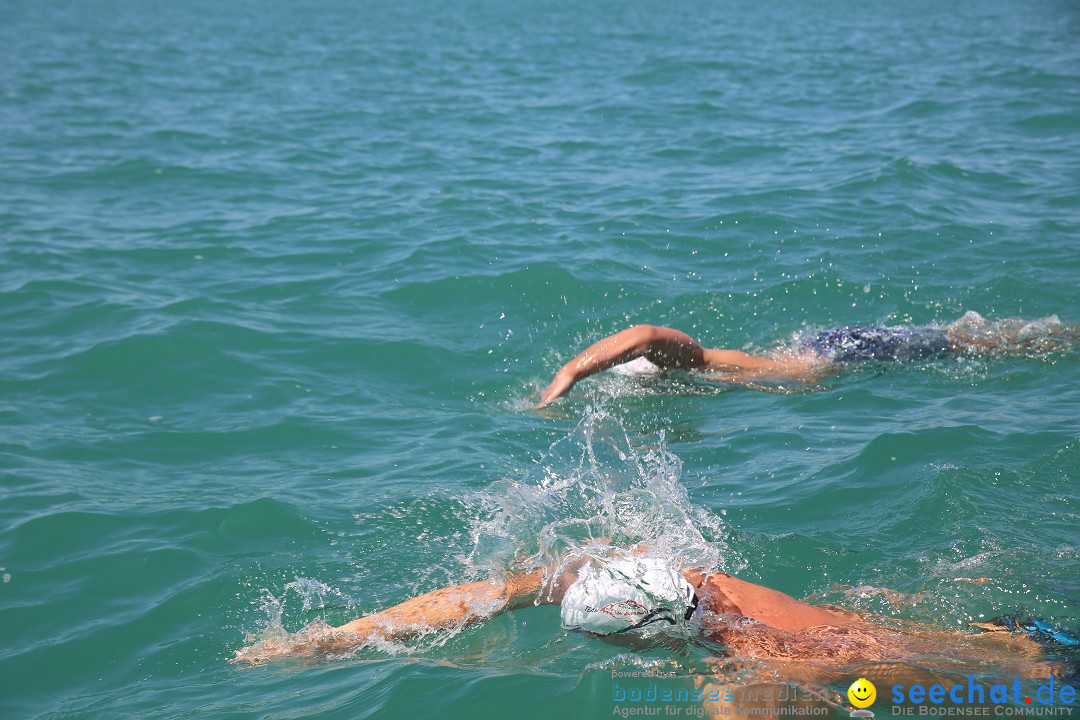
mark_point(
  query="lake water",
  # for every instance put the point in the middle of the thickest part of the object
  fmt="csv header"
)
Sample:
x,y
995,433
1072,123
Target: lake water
x,y
280,283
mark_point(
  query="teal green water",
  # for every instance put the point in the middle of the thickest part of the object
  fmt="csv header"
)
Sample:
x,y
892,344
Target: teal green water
x,y
281,281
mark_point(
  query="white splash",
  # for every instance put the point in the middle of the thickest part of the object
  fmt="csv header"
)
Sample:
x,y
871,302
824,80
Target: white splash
x,y
594,487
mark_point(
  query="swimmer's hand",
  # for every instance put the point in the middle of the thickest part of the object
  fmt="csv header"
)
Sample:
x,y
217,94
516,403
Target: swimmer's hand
x,y
316,639
564,380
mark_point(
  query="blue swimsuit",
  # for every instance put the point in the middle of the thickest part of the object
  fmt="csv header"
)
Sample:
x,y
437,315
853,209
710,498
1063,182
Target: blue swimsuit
x,y
847,344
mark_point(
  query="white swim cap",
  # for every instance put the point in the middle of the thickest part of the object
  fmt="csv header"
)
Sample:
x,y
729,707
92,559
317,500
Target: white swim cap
x,y
611,595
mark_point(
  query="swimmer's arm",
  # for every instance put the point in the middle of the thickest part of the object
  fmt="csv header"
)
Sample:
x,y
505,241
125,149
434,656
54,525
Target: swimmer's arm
x,y
739,367
665,347
445,609
670,348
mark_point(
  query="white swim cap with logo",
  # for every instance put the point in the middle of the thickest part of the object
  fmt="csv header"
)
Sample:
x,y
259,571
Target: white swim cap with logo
x,y
612,595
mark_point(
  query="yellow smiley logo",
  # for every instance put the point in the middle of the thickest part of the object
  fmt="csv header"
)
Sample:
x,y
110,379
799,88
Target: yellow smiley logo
x,y
862,693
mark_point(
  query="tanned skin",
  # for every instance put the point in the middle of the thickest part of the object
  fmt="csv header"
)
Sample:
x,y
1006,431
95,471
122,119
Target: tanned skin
x,y
463,605
670,348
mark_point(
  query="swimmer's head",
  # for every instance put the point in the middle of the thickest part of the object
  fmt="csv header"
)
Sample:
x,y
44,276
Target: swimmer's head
x,y
613,595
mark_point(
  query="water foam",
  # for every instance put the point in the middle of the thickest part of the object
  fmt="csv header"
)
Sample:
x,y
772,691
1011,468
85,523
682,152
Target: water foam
x,y
595,488
1044,338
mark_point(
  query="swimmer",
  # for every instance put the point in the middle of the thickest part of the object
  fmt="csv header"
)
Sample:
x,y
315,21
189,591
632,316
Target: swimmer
x,y
817,356
613,594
